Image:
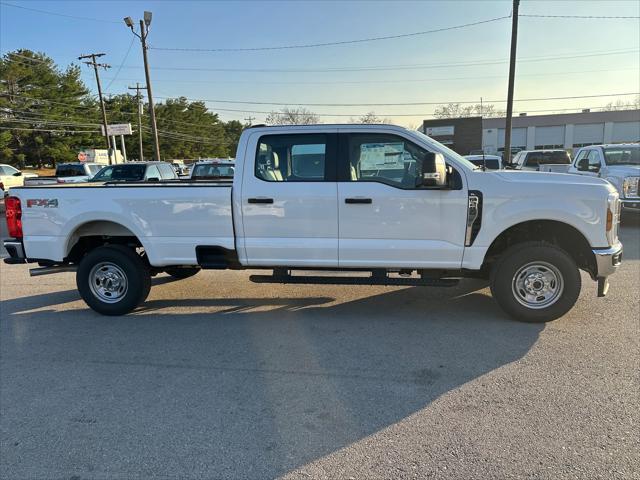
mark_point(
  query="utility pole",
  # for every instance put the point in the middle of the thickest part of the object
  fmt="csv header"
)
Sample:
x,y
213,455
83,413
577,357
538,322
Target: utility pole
x,y
250,119
144,31
512,74
137,88
95,66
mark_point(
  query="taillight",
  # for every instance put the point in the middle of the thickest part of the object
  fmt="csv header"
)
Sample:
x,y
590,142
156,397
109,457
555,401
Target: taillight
x,y
13,212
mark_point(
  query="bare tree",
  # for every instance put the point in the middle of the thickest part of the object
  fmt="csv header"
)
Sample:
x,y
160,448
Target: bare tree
x,y
370,117
622,105
455,110
292,116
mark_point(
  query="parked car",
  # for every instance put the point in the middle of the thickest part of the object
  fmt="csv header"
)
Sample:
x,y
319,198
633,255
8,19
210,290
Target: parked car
x,y
136,172
180,167
619,164
490,162
394,203
212,170
76,172
12,177
533,159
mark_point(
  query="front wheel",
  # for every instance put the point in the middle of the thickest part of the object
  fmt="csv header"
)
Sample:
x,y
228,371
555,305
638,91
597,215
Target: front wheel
x,y
113,280
535,282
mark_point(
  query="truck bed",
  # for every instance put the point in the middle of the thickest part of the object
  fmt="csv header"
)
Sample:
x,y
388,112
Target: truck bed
x,y
170,218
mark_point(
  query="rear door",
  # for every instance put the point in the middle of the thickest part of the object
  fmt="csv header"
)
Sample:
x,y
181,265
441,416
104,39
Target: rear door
x,y
384,219
289,199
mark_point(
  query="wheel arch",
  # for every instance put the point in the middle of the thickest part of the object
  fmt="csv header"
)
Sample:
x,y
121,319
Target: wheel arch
x,y
94,233
555,232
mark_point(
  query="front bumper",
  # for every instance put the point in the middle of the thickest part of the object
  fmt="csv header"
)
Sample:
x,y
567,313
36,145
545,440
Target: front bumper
x,y
607,262
630,205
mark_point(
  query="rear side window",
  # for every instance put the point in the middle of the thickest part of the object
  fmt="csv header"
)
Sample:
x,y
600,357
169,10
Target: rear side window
x,y
292,158
70,171
152,172
167,171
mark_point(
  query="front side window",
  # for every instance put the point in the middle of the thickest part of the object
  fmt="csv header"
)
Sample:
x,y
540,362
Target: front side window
x,y
8,170
384,158
292,158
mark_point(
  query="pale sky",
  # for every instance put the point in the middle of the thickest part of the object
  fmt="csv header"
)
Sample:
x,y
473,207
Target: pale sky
x,y
559,57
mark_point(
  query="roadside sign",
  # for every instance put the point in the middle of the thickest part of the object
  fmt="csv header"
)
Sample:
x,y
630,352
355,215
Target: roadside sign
x,y
118,129
82,157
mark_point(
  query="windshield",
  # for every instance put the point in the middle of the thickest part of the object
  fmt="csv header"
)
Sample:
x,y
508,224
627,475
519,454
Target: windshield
x,y
212,171
623,155
544,158
130,173
70,171
447,151
491,163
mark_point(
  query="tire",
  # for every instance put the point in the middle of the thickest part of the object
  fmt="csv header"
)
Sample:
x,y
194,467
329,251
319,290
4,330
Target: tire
x,y
182,272
113,280
535,282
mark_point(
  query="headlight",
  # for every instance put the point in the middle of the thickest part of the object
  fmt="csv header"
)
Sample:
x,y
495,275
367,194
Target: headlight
x,y
613,217
630,187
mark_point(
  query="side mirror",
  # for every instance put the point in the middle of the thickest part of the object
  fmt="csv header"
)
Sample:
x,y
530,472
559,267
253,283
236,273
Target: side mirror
x,y
594,168
17,174
583,165
434,171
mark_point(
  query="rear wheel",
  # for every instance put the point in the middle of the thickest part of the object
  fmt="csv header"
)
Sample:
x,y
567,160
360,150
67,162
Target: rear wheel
x,y
113,280
182,272
536,282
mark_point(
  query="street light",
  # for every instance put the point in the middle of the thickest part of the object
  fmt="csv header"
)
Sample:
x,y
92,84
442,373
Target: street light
x,y
144,31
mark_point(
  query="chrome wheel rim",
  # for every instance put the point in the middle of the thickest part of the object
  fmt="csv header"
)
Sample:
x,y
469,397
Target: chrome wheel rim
x,y
537,285
108,282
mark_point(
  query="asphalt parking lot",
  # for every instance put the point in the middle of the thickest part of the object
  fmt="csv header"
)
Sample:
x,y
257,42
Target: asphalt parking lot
x,y
217,377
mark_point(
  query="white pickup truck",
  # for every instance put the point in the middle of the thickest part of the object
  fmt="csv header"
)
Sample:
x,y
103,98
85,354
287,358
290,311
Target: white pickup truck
x,y
388,204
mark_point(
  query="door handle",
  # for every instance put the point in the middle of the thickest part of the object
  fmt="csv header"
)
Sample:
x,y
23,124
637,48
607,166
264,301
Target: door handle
x,y
357,200
260,200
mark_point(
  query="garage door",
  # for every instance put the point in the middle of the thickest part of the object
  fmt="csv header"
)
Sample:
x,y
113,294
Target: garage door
x,y
588,134
518,138
549,137
626,132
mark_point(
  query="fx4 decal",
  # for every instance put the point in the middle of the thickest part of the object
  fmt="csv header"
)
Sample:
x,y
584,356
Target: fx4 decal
x,y
42,202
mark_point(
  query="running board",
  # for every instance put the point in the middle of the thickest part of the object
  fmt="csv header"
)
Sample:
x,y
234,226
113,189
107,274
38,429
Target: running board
x,y
373,280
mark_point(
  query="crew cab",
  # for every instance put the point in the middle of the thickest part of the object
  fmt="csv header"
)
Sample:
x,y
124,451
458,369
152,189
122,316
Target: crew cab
x,y
619,164
390,205
534,160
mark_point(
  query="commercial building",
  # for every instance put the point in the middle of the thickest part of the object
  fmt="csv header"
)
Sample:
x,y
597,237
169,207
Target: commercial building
x,y
567,131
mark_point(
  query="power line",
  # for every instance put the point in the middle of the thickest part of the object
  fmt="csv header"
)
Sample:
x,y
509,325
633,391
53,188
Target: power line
x,y
50,130
402,104
126,55
594,17
75,17
328,44
415,66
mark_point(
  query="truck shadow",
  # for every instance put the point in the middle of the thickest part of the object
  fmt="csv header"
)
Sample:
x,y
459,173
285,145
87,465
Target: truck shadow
x,y
253,389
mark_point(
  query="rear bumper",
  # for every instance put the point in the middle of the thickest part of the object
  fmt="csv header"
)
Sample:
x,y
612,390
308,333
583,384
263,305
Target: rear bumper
x,y
15,250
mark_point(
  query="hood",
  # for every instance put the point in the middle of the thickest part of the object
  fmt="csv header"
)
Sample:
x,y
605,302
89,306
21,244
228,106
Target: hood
x,y
549,178
623,170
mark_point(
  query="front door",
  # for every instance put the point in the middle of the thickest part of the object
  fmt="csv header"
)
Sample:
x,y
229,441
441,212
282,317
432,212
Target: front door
x,y
289,200
386,221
